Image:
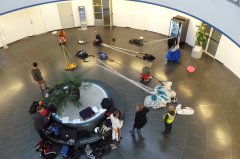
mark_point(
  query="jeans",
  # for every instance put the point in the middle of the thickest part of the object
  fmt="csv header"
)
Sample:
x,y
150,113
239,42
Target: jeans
x,y
138,131
168,128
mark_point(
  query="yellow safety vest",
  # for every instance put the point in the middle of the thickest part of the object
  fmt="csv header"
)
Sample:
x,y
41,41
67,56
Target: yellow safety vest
x,y
170,117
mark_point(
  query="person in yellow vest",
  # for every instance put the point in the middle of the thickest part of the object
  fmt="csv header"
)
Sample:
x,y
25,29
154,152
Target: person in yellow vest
x,y
168,119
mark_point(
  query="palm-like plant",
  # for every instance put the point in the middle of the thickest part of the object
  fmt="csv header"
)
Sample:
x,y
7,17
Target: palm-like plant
x,y
201,35
66,90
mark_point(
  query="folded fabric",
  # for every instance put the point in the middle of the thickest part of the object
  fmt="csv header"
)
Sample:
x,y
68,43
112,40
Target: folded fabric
x,y
184,111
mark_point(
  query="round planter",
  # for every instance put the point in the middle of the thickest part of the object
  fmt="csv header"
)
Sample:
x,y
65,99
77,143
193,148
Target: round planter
x,y
197,52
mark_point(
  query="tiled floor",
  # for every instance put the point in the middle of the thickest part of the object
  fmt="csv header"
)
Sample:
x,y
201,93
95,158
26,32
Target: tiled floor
x,y
213,91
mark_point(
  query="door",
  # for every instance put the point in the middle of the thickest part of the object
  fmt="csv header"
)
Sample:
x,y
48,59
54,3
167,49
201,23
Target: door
x,y
98,12
213,41
35,17
106,12
66,15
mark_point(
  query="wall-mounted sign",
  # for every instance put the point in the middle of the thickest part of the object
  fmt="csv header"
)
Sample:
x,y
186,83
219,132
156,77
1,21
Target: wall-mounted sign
x,y
82,13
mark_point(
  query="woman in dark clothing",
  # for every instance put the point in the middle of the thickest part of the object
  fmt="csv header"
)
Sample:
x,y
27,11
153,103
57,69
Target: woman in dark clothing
x,y
98,41
140,119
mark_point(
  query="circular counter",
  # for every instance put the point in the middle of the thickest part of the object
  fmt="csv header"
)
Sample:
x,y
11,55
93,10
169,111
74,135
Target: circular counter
x,y
89,98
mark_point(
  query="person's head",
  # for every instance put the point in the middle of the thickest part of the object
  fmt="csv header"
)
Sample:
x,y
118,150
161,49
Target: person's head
x,y
116,114
171,108
40,103
149,64
96,32
35,64
139,107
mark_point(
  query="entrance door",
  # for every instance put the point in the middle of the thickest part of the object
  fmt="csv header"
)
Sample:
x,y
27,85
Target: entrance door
x,y
106,12
35,18
98,12
213,42
66,15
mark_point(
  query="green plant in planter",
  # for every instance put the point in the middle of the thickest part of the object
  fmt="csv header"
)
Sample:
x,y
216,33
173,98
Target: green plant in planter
x,y
66,90
201,35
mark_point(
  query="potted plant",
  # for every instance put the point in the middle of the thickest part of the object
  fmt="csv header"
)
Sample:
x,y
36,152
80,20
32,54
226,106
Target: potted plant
x,y
201,40
65,91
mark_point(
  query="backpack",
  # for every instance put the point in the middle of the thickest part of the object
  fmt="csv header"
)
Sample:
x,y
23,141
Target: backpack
x,y
82,54
103,56
54,130
65,151
33,107
148,57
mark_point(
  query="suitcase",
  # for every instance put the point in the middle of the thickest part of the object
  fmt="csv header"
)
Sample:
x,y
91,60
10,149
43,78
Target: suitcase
x,y
67,134
87,113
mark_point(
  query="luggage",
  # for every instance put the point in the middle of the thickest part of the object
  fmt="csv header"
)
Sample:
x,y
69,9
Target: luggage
x,y
45,148
87,113
107,103
54,130
67,134
173,56
82,54
33,107
65,151
89,152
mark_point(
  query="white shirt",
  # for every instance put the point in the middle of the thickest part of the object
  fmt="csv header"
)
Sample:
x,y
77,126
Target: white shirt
x,y
116,123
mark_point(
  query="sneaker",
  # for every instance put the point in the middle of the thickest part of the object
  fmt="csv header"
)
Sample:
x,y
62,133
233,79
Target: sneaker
x,y
114,147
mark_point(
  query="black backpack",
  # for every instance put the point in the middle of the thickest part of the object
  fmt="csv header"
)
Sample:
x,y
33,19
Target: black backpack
x,y
82,54
148,57
33,107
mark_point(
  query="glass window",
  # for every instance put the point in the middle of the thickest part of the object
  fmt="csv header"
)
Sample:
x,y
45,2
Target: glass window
x,y
97,2
98,9
98,15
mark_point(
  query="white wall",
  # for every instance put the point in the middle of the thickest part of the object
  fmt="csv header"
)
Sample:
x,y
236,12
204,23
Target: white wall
x,y
40,19
50,16
149,17
229,54
15,26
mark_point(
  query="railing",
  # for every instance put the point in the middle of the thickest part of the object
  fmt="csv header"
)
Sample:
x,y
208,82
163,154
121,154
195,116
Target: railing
x,y
236,2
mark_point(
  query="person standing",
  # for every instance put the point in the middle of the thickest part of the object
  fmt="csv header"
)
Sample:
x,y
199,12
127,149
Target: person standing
x,y
37,76
140,119
40,122
168,119
116,128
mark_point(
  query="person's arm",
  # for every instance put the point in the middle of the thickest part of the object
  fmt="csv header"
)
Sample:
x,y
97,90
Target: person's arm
x,y
166,118
136,117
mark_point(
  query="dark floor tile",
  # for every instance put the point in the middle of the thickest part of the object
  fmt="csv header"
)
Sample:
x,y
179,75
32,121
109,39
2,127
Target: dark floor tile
x,y
190,153
219,154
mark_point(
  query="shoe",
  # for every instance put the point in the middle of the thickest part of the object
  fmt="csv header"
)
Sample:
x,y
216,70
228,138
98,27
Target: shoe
x,y
113,147
132,134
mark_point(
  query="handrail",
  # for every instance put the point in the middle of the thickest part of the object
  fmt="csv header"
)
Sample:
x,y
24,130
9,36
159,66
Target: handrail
x,y
236,2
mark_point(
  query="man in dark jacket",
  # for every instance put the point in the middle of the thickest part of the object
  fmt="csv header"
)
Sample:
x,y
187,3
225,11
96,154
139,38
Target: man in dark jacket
x,y
40,122
168,119
140,119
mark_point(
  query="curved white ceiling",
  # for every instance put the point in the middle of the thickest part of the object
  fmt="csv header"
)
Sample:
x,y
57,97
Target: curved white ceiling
x,y
221,14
